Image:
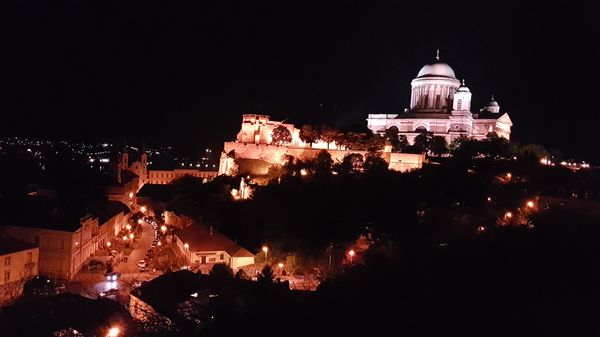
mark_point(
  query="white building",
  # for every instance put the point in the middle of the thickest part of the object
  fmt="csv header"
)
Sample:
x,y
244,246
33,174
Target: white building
x,y
204,246
18,263
441,104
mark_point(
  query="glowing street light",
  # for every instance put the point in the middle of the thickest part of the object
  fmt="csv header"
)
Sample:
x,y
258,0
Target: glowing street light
x,y
130,195
143,209
128,227
139,221
113,332
489,199
124,237
186,246
530,204
280,265
159,243
351,254
163,228
508,215
108,244
266,250
508,175
131,236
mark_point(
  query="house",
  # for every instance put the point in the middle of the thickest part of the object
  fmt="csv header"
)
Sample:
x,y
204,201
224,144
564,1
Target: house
x,y
203,245
18,263
67,234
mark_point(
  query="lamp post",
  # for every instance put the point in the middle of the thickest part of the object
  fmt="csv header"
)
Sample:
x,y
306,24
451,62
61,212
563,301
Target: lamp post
x,y
351,254
280,265
113,332
266,250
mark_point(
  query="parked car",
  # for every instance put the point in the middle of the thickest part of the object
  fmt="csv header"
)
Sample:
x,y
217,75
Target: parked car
x,y
113,276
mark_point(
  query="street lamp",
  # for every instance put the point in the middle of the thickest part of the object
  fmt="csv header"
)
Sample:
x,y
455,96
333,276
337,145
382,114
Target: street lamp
x,y
508,215
131,236
163,228
108,244
143,209
351,254
124,237
113,332
530,204
266,250
139,221
280,265
128,227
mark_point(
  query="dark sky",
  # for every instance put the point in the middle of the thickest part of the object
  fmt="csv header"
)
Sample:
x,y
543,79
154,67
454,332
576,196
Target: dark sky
x,y
183,72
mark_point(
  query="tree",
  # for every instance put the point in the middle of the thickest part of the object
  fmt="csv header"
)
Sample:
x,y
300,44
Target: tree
x,y
323,163
439,146
403,144
352,163
221,272
266,275
355,141
281,135
422,142
309,134
374,164
375,143
391,135
329,135
38,287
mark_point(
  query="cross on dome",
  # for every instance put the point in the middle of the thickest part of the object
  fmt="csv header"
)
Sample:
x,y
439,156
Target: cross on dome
x,y
437,54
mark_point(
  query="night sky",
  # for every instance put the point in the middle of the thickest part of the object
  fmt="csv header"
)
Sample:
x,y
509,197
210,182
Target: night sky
x,y
183,72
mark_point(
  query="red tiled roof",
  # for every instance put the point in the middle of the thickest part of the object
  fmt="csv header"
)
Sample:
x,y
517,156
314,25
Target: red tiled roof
x,y
201,239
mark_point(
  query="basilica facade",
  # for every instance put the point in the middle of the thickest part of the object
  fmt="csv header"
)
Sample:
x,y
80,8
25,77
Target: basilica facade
x,y
441,104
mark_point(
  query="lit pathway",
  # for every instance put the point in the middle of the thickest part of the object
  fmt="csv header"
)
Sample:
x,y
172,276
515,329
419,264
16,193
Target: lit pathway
x,y
139,252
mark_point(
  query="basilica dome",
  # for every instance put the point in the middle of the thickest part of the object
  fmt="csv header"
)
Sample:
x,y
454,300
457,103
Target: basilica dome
x,y
437,69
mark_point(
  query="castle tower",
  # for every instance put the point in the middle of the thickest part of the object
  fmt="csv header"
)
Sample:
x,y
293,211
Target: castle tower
x,y
462,98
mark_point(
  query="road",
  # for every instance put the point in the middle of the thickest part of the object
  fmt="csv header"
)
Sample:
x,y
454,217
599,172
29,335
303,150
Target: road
x,y
139,252
92,284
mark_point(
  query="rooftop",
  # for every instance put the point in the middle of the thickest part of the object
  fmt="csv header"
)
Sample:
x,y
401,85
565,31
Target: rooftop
x,y
10,245
202,239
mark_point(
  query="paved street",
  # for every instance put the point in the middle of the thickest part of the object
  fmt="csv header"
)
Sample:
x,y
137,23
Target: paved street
x,y
91,284
139,252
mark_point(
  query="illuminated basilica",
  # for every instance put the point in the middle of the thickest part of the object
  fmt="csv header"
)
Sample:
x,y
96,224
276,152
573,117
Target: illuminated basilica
x,y
441,104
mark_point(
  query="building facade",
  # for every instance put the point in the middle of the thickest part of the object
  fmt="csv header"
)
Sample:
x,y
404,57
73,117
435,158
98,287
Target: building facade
x,y
441,104
145,175
205,246
254,142
64,248
18,263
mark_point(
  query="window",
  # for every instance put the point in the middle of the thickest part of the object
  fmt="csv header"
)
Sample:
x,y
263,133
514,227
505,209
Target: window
x,y
6,276
221,256
29,257
459,105
7,261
